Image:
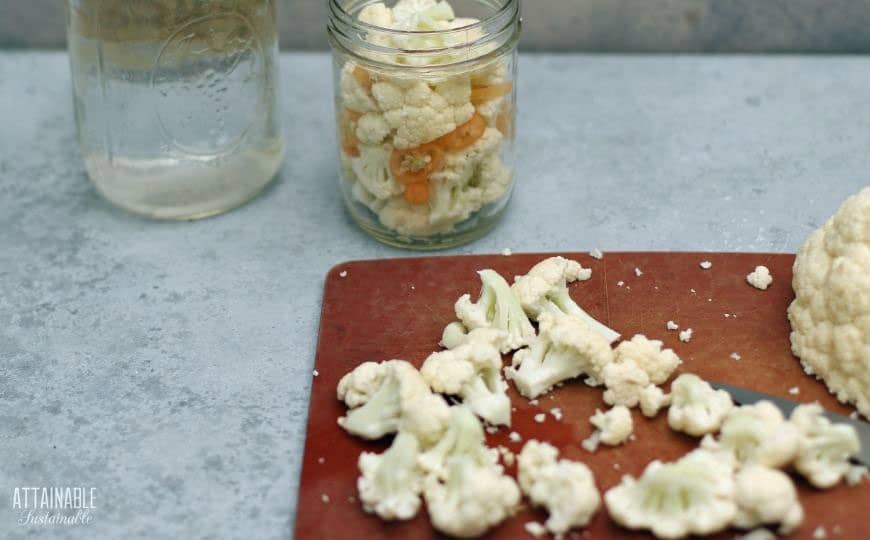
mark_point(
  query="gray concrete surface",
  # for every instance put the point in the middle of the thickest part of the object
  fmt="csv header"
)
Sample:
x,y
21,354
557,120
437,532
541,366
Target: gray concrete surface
x,y
168,364
833,26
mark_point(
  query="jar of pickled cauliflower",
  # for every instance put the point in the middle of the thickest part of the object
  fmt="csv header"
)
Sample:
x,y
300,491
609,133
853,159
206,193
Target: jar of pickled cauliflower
x,y
425,97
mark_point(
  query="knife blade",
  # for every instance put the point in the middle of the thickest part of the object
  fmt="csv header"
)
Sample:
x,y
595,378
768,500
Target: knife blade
x,y
744,396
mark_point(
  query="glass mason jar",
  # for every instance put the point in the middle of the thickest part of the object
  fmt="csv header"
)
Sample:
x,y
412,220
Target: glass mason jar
x,y
425,104
175,101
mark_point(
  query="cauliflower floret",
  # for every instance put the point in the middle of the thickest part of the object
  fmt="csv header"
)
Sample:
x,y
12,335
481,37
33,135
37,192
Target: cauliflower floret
x,y
756,434
493,177
647,353
382,397
565,488
409,219
418,114
496,308
490,110
390,483
652,399
826,448
426,418
566,348
544,290
459,167
696,408
376,15
454,335
474,499
372,170
455,90
355,96
760,278
614,426
764,497
358,386
472,371
371,128
625,381
830,316
694,495
464,436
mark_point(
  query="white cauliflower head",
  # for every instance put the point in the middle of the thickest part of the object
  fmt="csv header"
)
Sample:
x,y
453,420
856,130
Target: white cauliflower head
x,y
473,499
382,393
464,436
766,496
496,308
826,448
696,408
756,434
390,483
625,382
565,488
544,289
647,353
473,372
830,315
614,426
694,495
565,348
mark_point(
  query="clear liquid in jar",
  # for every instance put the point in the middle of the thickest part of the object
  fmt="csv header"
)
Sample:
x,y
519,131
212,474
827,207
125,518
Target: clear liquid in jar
x,y
176,106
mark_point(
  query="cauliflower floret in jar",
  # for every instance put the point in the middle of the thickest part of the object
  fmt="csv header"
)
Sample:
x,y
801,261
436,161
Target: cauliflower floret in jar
x,y
371,128
354,95
372,171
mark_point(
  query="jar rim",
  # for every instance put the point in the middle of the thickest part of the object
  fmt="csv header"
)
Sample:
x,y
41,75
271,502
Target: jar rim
x,y
506,6
346,31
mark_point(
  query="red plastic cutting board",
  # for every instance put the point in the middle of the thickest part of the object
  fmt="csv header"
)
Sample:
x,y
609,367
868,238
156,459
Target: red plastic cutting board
x,y
376,310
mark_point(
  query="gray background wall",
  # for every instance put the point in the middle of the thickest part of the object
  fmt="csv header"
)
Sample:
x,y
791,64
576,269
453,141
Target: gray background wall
x,y
589,25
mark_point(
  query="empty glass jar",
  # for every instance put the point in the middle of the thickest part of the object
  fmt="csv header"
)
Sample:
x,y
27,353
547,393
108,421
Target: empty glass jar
x,y
175,101
425,100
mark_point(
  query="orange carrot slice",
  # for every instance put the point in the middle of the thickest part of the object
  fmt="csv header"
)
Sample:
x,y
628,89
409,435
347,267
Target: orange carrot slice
x,y
465,135
417,193
414,165
482,94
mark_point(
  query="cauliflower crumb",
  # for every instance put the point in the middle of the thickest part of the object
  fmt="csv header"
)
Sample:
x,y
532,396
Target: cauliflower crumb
x,y
794,390
540,418
856,475
620,283
321,460
557,413
343,273
507,252
820,533
325,498
514,437
760,278
693,291
727,315
637,272
533,402
535,529
706,265
853,415
616,466
736,357
492,430
351,499
596,254
590,444
507,457
315,373
671,325
686,335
